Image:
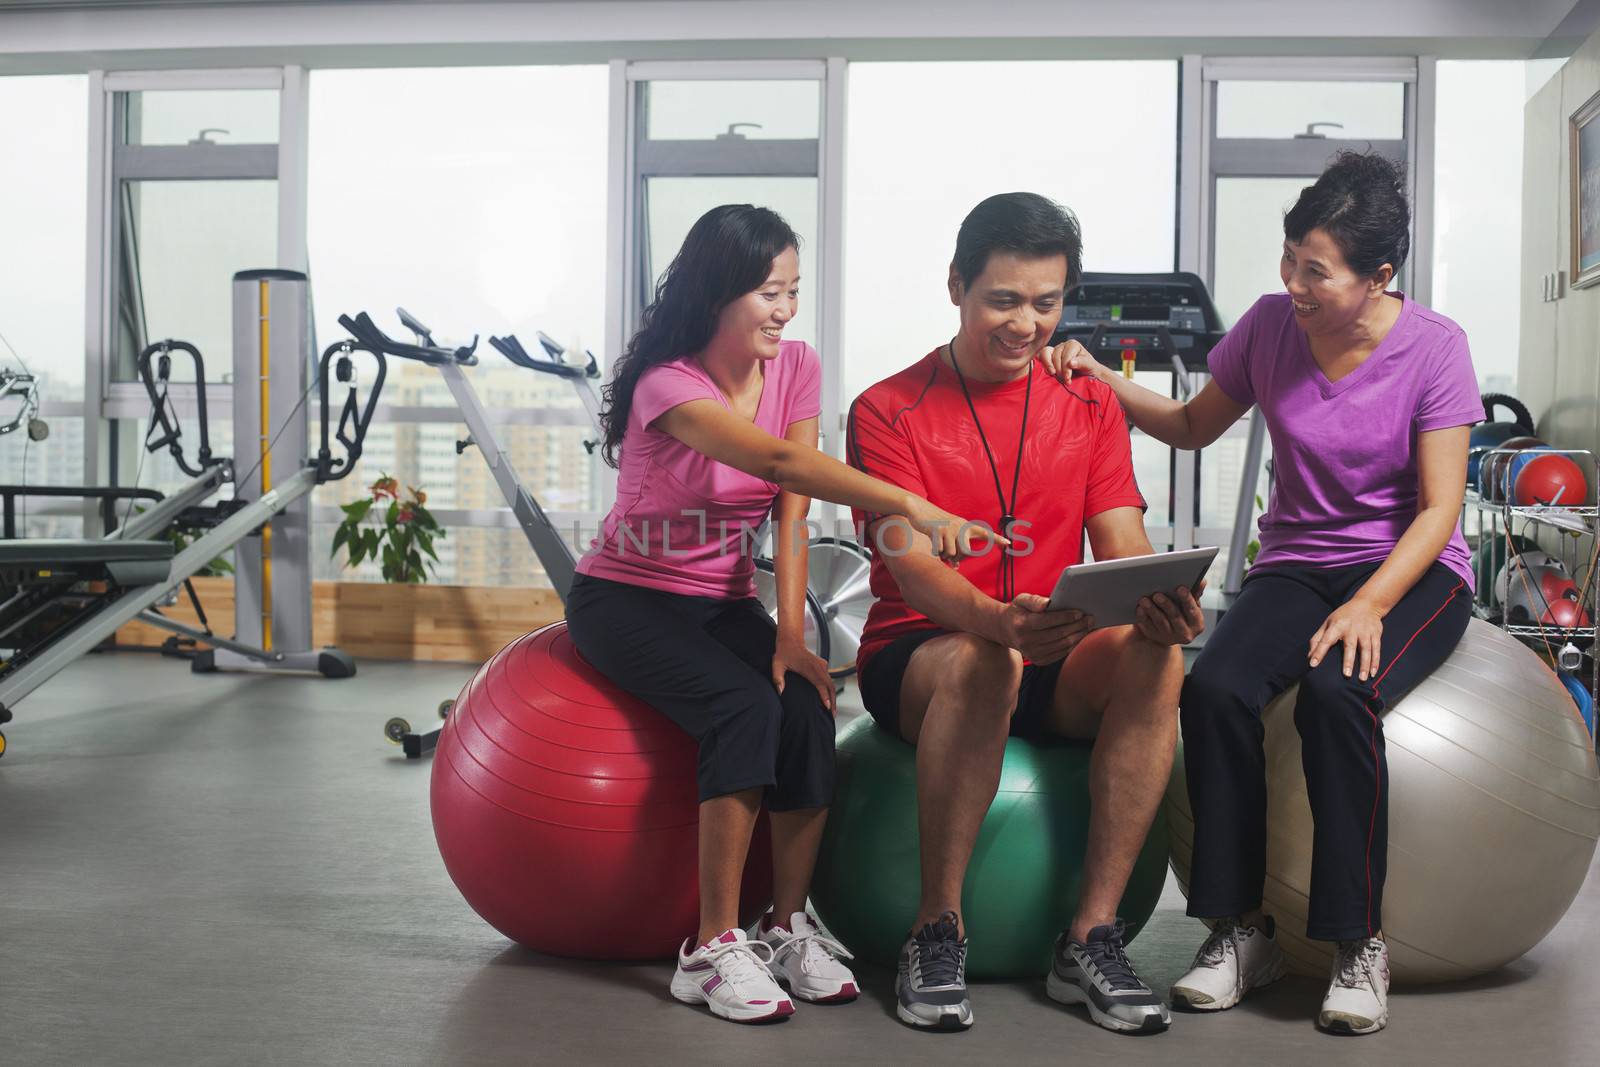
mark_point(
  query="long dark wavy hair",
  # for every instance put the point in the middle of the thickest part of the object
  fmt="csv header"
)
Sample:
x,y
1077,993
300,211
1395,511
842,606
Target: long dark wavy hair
x,y
728,253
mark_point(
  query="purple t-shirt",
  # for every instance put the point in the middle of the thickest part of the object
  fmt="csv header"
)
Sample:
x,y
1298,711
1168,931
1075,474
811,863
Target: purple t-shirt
x,y
1344,485
684,522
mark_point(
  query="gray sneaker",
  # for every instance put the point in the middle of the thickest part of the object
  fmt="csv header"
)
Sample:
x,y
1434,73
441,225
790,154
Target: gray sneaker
x,y
931,984
1097,973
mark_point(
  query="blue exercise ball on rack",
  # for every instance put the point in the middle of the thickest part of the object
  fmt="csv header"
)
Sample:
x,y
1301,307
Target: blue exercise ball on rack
x,y
1521,460
1494,482
1580,696
1491,434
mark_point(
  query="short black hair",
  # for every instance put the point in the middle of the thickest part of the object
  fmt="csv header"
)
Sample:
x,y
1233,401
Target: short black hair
x,y
1360,201
1025,223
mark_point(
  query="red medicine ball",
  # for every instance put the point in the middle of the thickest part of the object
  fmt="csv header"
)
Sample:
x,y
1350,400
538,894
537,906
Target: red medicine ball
x,y
1566,611
1551,479
566,810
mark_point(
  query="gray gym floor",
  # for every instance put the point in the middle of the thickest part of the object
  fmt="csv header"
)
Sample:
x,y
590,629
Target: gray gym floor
x,y
237,869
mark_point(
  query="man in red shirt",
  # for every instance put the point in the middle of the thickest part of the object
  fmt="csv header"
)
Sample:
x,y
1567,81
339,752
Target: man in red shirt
x,y
955,659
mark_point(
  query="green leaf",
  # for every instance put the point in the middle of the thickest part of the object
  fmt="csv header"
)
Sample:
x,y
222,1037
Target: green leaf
x,y
340,536
358,510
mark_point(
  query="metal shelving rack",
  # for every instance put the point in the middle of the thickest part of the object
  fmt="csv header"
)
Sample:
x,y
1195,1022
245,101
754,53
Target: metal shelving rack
x,y
1494,515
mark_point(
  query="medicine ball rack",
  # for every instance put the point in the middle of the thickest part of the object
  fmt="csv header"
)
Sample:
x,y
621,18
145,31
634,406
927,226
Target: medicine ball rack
x,y
1490,512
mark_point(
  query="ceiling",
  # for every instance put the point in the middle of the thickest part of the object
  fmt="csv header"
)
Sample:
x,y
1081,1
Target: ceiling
x,y
43,36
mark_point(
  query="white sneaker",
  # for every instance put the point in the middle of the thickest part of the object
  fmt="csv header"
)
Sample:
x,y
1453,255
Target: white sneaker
x,y
807,960
1234,960
730,976
1358,994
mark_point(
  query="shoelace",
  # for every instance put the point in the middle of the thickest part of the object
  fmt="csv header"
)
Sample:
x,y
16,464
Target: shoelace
x,y
1215,950
808,945
740,962
1112,961
941,962
1356,960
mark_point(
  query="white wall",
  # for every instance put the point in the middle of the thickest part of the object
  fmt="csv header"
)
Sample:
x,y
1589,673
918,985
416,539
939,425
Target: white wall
x,y
1558,367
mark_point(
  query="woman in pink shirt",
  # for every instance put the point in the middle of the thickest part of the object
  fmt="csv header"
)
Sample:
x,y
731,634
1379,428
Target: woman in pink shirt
x,y
1362,586
711,419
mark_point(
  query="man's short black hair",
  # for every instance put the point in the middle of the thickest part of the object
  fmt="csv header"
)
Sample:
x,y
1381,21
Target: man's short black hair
x,y
1023,223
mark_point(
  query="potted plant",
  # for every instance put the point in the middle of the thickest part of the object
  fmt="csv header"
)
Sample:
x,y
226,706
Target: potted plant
x,y
402,541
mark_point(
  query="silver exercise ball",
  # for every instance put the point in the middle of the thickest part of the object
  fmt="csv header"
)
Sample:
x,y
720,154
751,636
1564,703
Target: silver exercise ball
x,y
1494,812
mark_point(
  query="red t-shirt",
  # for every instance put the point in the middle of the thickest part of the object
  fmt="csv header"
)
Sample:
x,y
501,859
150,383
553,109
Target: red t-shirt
x,y
914,429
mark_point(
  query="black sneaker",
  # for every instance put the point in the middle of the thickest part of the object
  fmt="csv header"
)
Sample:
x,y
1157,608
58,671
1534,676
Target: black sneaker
x,y
931,983
1097,973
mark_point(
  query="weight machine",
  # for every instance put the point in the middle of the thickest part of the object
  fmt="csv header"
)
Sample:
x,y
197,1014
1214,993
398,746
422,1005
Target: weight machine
x,y
62,598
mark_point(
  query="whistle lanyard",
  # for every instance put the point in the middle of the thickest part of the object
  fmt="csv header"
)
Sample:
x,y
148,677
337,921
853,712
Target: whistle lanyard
x,y
1008,563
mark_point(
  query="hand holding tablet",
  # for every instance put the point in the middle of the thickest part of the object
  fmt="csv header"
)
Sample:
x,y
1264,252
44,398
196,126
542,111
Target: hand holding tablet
x,y
1110,591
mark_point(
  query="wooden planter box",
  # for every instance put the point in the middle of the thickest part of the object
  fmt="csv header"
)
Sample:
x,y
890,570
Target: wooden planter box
x,y
454,623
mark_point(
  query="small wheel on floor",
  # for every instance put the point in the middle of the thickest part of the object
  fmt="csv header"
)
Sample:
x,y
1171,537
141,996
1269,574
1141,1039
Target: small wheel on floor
x,y
2,744
444,708
395,730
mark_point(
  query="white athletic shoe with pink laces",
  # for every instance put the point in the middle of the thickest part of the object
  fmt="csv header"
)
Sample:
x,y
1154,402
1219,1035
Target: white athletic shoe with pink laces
x,y
807,960
731,977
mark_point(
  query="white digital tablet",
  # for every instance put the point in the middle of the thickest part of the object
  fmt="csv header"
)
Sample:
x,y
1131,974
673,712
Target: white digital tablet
x,y
1111,590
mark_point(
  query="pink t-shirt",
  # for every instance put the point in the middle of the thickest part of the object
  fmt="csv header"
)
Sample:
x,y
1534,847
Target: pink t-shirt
x,y
1344,485
684,522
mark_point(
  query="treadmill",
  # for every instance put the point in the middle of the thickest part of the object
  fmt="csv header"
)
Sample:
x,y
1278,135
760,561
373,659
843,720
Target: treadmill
x,y
1143,322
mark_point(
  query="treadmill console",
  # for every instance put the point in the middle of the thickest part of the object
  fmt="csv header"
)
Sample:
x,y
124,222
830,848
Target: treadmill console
x,y
1142,320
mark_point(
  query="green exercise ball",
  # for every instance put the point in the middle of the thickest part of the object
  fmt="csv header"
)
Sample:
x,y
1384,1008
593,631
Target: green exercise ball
x,y
1026,872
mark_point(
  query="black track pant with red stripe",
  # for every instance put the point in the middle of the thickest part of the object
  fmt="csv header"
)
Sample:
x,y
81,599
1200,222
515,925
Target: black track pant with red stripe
x,y
1258,650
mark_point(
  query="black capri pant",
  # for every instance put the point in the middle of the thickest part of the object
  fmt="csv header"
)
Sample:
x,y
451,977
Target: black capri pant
x,y
1256,652
706,664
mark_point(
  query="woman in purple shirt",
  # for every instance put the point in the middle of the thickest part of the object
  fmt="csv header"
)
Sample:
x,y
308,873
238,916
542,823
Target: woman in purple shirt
x,y
1362,586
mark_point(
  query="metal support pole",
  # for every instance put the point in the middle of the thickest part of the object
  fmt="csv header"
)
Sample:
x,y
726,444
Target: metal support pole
x,y
1244,513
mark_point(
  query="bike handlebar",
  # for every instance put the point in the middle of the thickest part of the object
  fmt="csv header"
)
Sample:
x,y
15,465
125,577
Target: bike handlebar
x,y
513,350
363,329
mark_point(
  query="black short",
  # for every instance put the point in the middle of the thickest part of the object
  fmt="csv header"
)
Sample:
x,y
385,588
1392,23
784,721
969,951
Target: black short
x,y
706,664
880,687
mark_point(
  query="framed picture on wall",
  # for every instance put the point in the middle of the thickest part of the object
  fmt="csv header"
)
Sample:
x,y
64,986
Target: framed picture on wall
x,y
1584,131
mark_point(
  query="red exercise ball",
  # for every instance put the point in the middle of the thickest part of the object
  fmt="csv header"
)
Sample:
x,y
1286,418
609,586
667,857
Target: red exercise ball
x,y
1551,479
566,810
1566,611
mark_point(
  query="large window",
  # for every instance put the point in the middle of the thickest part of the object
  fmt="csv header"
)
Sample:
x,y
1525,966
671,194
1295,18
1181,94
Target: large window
x,y
196,185
927,141
716,141
43,171
1477,227
475,199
